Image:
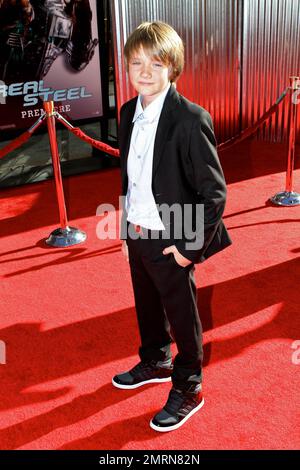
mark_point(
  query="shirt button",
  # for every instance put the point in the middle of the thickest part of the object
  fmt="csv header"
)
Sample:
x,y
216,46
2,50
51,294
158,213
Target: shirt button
x,y
139,156
134,184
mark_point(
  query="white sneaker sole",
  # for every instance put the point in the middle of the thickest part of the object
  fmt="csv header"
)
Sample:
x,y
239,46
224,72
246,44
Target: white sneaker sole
x,y
131,387
176,426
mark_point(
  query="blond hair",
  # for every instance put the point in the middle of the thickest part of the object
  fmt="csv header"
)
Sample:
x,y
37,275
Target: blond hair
x,y
159,40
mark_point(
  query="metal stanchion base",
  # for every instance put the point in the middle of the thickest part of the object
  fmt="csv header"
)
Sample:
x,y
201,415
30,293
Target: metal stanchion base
x,y
286,198
66,237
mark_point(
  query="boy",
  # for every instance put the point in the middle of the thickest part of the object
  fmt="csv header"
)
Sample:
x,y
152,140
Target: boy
x,y
168,160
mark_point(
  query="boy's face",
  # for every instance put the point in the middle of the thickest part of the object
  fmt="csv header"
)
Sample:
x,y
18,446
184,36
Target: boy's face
x,y
149,76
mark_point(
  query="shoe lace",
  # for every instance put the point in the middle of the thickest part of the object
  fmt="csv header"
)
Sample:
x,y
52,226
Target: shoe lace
x,y
142,366
174,401
180,403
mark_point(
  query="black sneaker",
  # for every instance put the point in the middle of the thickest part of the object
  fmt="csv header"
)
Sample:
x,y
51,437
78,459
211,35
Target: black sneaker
x,y
178,409
144,373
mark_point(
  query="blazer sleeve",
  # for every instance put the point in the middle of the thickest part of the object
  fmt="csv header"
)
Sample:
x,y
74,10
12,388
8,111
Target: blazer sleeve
x,y
207,180
121,137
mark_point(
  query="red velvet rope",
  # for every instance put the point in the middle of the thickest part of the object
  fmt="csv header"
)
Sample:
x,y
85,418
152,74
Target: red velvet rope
x,y
75,130
95,143
15,143
115,152
250,130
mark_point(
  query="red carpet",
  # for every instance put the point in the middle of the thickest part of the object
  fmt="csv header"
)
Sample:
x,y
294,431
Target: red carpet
x,y
68,322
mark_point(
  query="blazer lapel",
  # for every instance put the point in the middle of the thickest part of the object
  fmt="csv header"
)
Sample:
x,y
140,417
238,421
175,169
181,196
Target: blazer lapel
x,y
127,131
165,122
128,128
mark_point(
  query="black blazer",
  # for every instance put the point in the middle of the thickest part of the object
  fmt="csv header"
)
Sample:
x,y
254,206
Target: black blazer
x,y
186,170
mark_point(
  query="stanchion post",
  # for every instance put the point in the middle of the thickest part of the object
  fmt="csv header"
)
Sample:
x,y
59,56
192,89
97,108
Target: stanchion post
x,y
292,133
49,109
290,197
65,235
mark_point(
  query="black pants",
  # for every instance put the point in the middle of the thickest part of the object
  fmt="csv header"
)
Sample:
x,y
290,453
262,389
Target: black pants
x,y
165,300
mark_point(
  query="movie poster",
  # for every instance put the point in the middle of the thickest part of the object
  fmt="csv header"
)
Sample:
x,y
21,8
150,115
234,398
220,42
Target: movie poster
x,y
49,51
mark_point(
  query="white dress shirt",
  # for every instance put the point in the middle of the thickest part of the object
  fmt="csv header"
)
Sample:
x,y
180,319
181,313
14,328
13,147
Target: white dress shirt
x,y
140,204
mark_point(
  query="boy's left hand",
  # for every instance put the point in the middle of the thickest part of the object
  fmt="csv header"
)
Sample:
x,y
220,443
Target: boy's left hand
x,y
181,260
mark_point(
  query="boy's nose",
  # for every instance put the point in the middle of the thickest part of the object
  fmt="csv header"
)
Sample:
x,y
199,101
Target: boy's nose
x,y
146,72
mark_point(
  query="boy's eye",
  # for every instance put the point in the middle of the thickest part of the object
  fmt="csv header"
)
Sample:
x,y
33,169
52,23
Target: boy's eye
x,y
157,64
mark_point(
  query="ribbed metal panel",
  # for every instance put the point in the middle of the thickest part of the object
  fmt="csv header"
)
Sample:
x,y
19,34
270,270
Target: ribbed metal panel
x,y
271,53
210,31
239,56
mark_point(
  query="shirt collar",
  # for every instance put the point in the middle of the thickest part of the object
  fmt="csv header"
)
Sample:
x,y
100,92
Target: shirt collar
x,y
153,110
